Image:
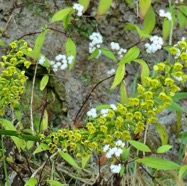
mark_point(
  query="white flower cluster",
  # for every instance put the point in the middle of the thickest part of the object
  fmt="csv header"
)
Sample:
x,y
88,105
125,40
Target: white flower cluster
x,y
111,71
179,1
79,8
61,62
41,60
92,113
162,13
116,47
115,168
104,112
156,44
96,41
115,151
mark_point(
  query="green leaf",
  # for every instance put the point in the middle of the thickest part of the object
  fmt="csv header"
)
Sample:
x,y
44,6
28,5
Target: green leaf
x,y
7,125
141,33
44,82
162,133
149,25
179,95
99,107
35,53
106,52
85,160
182,170
120,72
84,3
62,14
104,5
131,55
122,171
123,93
94,54
144,69
183,9
69,159
2,43
144,7
71,51
175,107
125,154
31,182
163,148
166,28
44,124
66,22
182,19
158,163
139,146
54,183
41,147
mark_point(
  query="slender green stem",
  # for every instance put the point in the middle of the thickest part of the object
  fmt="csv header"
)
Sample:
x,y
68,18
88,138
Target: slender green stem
x,y
20,135
4,161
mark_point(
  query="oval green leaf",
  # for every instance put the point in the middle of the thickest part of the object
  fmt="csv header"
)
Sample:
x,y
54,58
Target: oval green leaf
x,y
131,55
61,15
139,146
104,5
158,163
44,82
120,72
162,133
71,50
106,52
182,170
54,183
69,159
163,148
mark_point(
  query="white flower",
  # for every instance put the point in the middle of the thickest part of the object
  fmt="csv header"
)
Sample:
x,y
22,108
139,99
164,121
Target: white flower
x,y
118,152
41,60
115,168
162,13
52,62
106,148
63,66
156,44
119,143
104,112
70,59
113,106
111,71
79,8
92,113
114,46
96,41
59,57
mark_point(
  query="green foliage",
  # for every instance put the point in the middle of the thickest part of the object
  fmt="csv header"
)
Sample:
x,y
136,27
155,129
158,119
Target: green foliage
x,y
104,5
159,163
139,146
44,81
144,7
163,148
54,183
31,182
71,51
162,133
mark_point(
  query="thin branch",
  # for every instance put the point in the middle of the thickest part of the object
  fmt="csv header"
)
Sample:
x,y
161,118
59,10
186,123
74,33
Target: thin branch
x,y
88,96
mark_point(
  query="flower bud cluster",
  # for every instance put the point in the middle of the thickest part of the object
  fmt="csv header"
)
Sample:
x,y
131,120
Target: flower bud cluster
x,y
79,8
61,62
156,44
119,50
96,42
162,13
12,79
